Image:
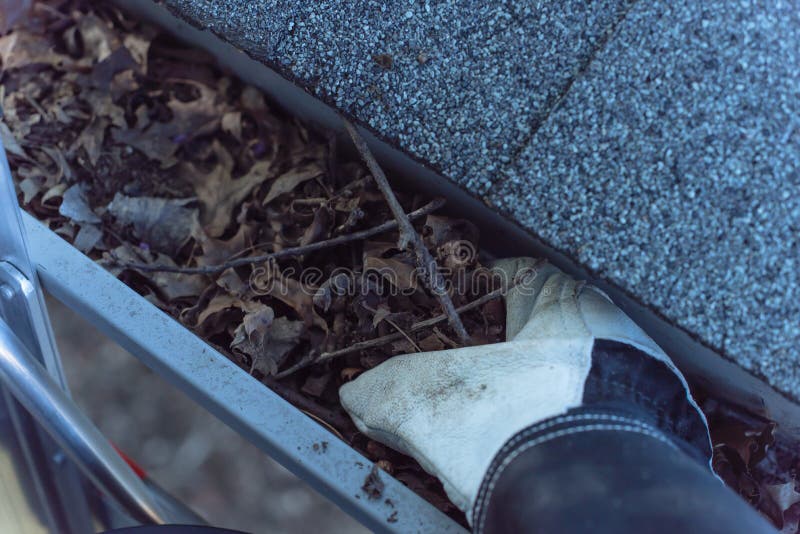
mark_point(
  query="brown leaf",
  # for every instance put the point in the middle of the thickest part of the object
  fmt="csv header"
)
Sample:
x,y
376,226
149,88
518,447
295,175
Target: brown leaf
x,y
138,46
431,343
783,495
268,280
287,181
160,140
398,273
120,60
219,192
231,282
217,304
75,206
335,286
232,123
381,313
87,238
349,373
171,285
10,142
29,188
315,384
217,251
177,285
749,444
438,230
91,138
22,48
99,41
252,99
165,225
63,169
54,192
266,339
320,227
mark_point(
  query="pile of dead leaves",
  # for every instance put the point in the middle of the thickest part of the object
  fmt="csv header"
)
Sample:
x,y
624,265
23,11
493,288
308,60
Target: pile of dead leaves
x,y
140,151
751,461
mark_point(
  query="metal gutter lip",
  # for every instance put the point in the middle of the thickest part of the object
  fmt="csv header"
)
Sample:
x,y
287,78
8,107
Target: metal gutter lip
x,y
217,384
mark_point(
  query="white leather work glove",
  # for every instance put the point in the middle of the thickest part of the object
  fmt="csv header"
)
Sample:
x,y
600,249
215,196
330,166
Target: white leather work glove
x,y
452,410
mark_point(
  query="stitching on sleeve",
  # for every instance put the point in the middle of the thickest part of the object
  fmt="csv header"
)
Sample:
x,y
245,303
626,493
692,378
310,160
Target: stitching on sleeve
x,y
555,421
561,419
638,428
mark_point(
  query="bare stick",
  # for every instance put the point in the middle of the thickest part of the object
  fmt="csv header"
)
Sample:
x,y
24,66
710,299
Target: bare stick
x,y
287,252
409,238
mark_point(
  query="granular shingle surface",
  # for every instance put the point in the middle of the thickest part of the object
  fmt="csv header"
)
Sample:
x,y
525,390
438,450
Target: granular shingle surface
x,y
658,143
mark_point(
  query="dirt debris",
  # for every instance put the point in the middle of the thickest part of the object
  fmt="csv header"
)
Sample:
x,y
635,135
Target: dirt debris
x,y
373,485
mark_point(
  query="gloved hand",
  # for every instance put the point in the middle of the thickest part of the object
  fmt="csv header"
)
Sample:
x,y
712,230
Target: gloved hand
x,y
453,410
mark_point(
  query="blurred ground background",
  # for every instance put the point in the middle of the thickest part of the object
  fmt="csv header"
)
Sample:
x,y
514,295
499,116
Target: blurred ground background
x,y
185,449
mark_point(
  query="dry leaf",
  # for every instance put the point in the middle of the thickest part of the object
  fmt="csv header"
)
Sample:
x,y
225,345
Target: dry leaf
x,y
232,123
63,169
232,283
336,285
253,99
120,60
783,495
431,343
99,40
217,251
138,46
438,230
10,142
22,48
398,273
160,140
29,189
200,314
315,384
269,280
320,227
171,285
165,225
75,207
88,237
54,192
266,339
381,313
287,181
177,285
91,138
219,192
349,373
749,444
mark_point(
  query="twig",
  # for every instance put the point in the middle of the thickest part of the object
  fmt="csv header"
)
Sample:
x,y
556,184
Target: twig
x,y
396,327
389,338
409,238
293,251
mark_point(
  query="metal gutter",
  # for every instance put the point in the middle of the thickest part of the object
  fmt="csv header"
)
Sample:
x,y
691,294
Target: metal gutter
x,y
246,405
